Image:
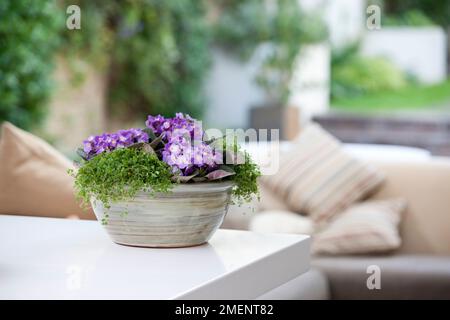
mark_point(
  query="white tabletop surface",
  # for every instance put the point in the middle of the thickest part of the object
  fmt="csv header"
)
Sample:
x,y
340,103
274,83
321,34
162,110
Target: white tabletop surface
x,y
44,258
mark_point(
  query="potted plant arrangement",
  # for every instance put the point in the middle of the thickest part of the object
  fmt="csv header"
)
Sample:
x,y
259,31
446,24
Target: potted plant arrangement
x,y
166,185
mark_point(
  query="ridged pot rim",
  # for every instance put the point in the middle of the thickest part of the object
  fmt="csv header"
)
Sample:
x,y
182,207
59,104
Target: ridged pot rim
x,y
201,187
195,188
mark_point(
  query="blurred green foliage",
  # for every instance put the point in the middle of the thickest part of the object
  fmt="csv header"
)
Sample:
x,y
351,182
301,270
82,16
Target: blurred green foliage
x,y
354,75
27,47
436,10
243,26
411,18
413,97
156,53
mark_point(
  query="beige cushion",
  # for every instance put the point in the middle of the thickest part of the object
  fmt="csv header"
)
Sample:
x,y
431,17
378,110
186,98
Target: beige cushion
x,y
367,227
279,221
319,178
33,177
426,187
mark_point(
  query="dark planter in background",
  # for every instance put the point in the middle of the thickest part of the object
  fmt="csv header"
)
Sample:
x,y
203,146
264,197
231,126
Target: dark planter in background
x,y
286,119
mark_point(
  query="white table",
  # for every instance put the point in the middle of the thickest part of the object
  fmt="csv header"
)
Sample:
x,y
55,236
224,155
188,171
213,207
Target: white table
x,y
44,258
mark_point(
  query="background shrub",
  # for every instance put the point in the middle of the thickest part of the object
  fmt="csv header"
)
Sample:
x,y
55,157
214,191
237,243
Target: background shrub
x,y
28,40
156,53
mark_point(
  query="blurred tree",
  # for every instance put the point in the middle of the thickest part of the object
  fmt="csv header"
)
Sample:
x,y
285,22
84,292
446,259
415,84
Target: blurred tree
x,y
243,26
27,47
437,10
156,53
417,13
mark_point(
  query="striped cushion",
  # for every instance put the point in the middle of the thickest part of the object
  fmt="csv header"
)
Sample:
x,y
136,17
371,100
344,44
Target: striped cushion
x,y
369,227
319,178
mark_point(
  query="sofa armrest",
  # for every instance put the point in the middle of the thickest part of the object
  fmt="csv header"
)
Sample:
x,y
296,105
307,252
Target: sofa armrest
x,y
426,187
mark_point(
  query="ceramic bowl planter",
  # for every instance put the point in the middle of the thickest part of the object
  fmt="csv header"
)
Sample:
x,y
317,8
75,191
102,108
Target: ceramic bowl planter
x,y
187,216
192,176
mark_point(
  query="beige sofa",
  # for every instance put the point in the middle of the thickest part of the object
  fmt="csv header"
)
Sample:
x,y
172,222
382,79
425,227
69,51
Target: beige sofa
x,y
420,269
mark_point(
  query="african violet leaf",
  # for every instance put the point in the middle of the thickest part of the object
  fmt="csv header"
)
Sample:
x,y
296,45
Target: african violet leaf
x,y
82,154
146,147
150,133
226,168
157,141
218,174
181,179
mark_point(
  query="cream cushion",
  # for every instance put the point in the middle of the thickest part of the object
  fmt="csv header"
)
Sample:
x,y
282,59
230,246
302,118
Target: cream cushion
x,y
34,179
426,187
318,178
368,227
279,221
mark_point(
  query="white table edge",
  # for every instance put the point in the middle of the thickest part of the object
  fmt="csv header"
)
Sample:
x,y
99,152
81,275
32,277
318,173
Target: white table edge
x,y
232,280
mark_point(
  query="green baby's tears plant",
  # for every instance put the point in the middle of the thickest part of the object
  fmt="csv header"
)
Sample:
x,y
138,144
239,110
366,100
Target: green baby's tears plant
x,y
119,175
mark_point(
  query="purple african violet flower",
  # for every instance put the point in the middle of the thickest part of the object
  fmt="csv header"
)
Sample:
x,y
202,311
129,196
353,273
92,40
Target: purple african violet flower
x,y
155,123
110,141
168,126
184,150
185,155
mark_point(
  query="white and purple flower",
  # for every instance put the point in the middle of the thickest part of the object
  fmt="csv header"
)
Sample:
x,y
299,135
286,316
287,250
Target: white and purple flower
x,y
180,144
186,155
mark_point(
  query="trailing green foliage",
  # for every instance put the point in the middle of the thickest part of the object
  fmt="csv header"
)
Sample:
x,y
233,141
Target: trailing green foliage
x,y
119,175
246,180
414,97
245,172
436,10
411,18
28,40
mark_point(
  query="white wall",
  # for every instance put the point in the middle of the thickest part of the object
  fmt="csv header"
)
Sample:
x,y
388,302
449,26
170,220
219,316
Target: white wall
x,y
230,91
346,19
310,87
420,51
